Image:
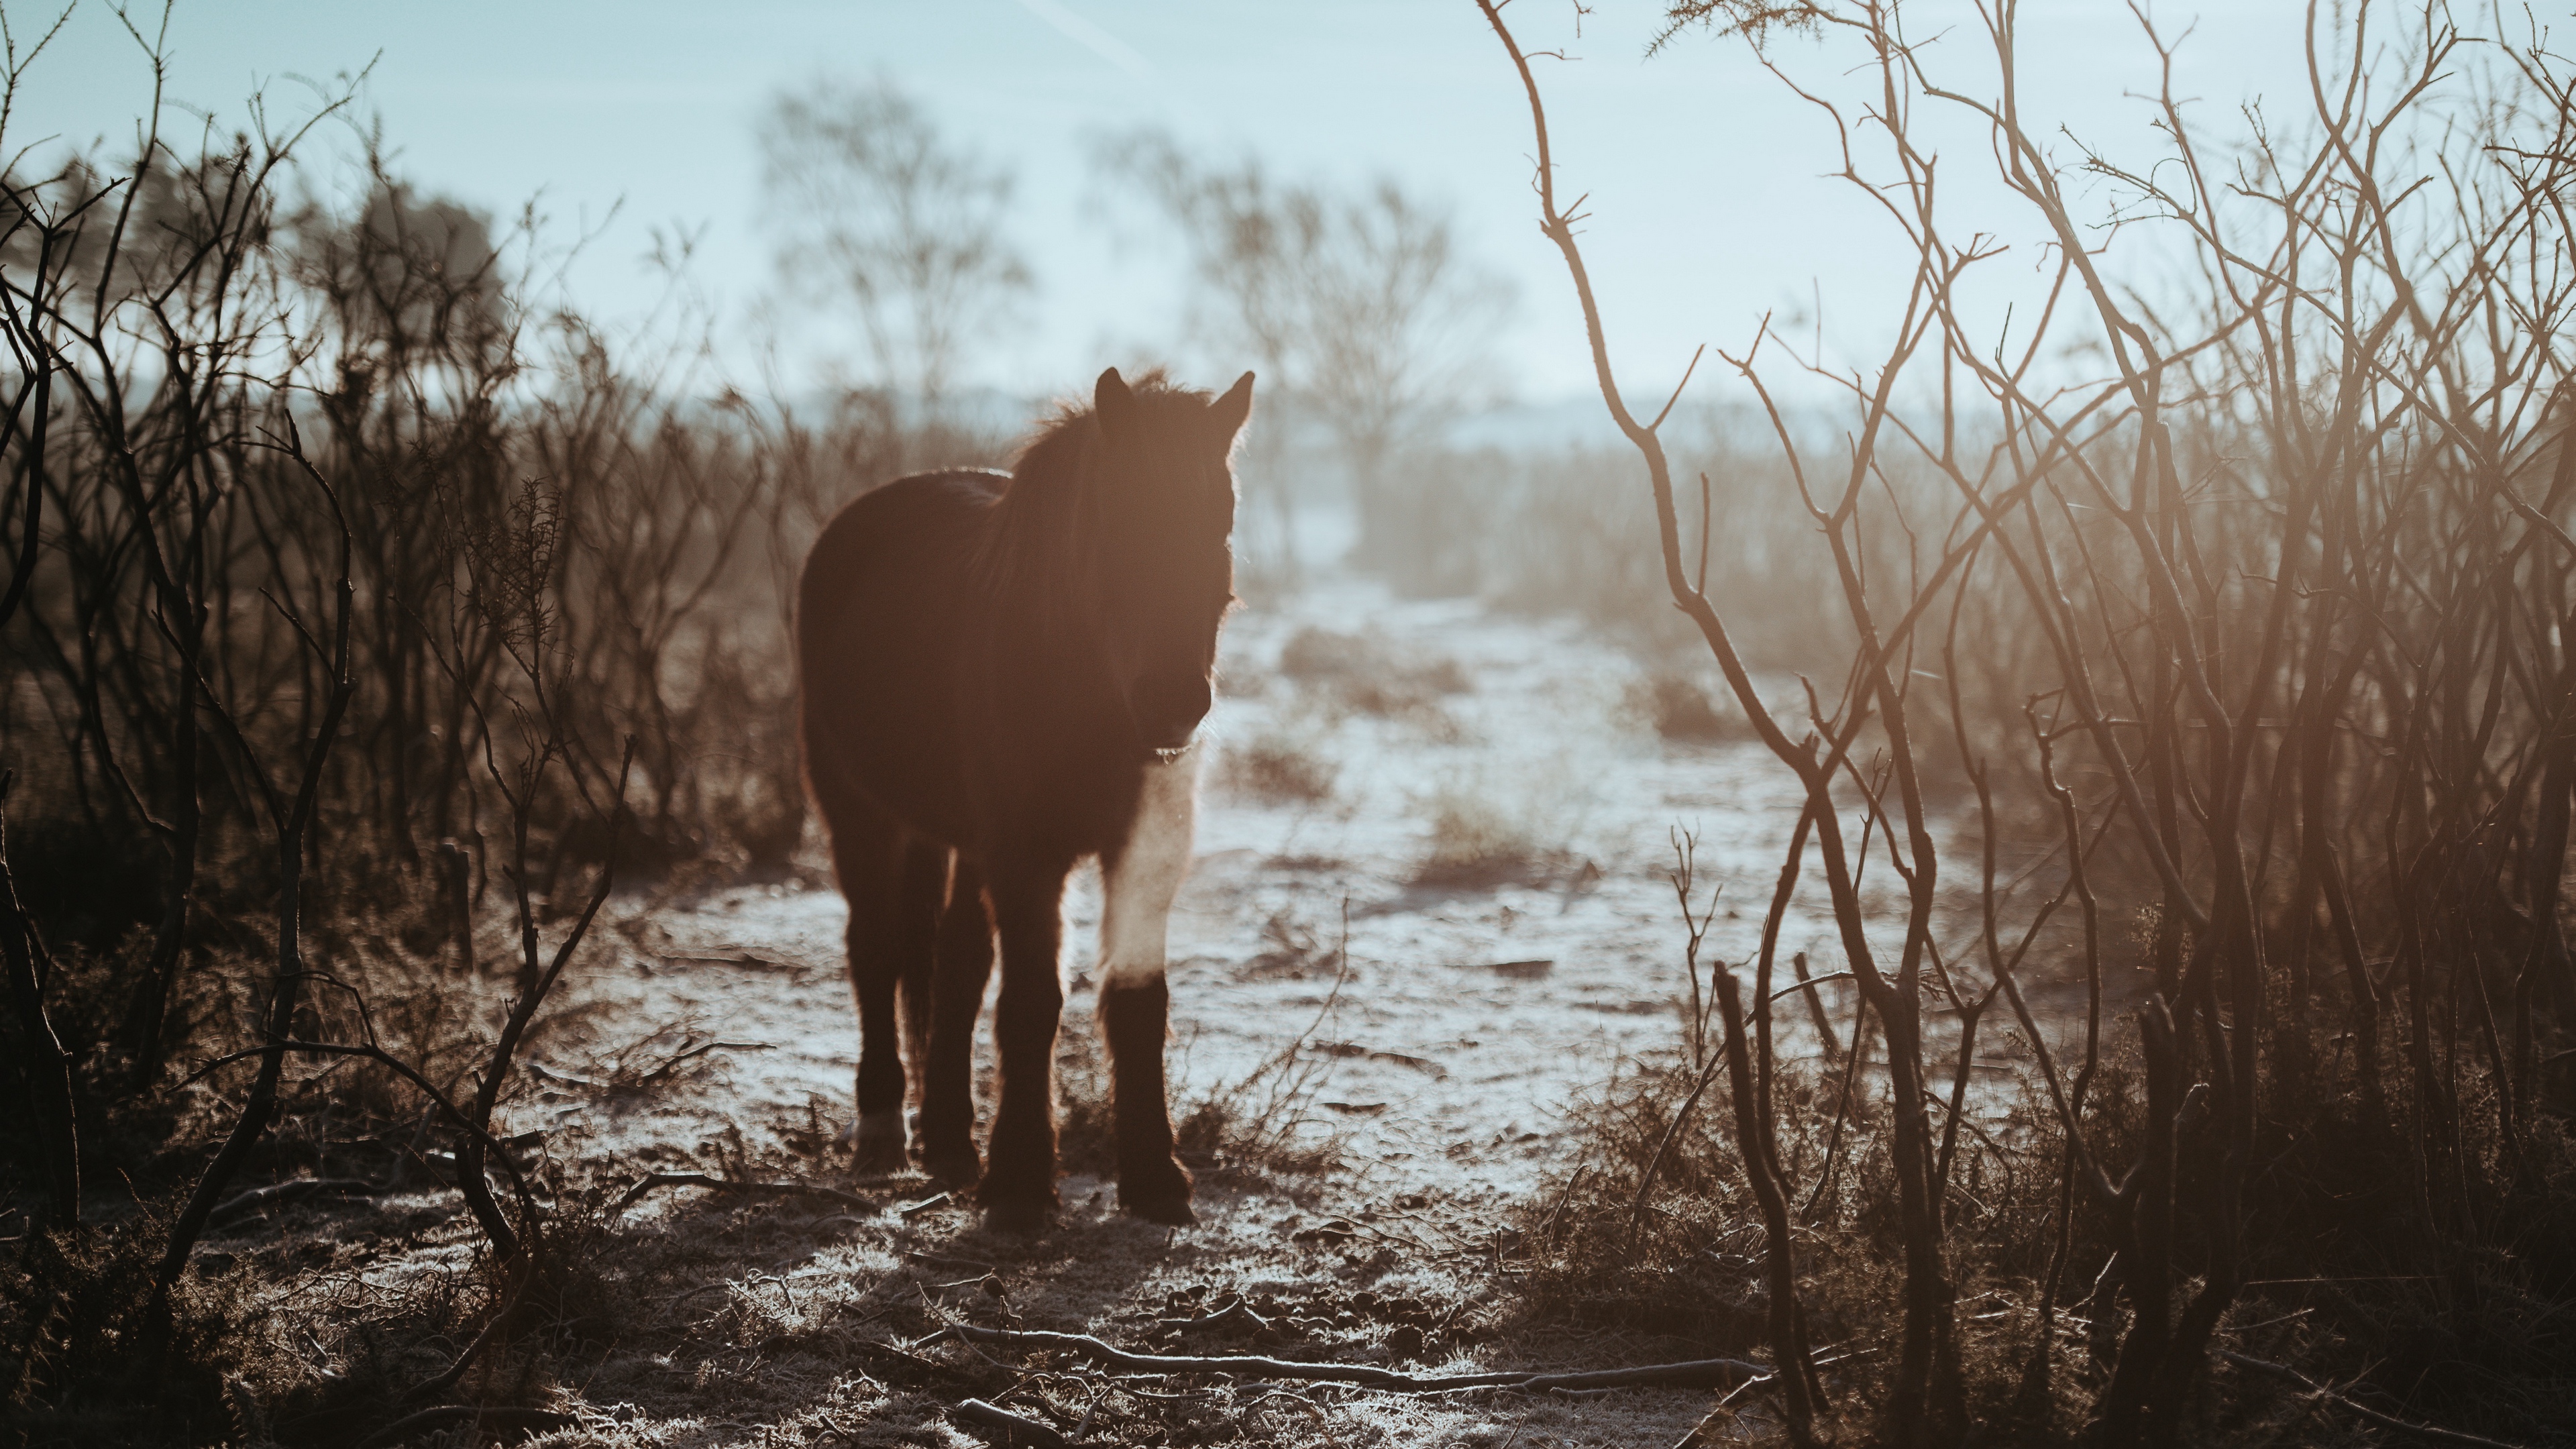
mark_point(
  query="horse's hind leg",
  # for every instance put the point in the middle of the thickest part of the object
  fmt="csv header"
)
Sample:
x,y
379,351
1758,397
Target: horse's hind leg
x,y
964,964
887,934
923,887
1139,882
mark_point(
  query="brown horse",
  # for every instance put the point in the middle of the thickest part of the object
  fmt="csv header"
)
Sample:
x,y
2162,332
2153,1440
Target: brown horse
x,y
1000,676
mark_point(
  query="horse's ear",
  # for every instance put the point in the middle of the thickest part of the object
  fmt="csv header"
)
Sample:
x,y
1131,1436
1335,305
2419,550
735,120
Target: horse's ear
x,y
1113,403
1231,409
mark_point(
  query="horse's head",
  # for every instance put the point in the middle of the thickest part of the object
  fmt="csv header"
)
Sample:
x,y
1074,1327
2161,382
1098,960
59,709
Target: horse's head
x,y
1165,514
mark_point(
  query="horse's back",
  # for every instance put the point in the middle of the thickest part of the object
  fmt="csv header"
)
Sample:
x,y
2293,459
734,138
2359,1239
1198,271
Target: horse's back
x,y
922,524
883,610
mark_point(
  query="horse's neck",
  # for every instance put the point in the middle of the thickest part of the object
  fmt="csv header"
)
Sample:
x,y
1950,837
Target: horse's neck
x,y
1040,584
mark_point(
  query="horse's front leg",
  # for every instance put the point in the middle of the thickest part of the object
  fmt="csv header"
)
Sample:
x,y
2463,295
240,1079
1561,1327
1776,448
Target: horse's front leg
x,y
1140,881
1018,1192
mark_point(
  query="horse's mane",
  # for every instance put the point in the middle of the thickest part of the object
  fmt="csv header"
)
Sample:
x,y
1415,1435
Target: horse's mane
x,y
1041,524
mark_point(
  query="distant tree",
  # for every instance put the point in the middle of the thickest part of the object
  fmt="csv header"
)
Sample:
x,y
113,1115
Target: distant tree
x,y
866,197
178,212
1358,307
410,276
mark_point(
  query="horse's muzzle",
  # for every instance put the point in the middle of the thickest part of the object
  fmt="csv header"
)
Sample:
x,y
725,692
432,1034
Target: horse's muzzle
x,y
1167,710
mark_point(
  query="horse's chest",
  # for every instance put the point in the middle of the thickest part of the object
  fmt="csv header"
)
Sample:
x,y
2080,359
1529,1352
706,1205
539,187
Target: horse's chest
x,y
1076,806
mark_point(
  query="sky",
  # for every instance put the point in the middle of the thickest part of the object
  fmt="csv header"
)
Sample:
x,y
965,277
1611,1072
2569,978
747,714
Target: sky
x,y
1710,195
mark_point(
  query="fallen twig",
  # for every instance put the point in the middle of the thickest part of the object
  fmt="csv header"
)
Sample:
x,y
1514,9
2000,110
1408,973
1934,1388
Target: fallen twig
x,y
411,1426
652,1180
1233,1313
1008,1427
1354,1049
741,960
544,1073
278,1194
662,1072
2383,1419
1696,1373
883,1354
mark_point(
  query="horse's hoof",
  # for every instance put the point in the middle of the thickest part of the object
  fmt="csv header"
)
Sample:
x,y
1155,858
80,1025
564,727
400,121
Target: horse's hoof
x,y
880,1144
1019,1217
1156,1189
953,1170
1169,1209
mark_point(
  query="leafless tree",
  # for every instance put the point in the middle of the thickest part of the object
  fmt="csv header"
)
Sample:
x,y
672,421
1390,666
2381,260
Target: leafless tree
x,y
1359,307
868,200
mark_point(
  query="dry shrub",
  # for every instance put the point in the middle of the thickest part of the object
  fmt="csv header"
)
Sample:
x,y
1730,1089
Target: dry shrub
x,y
1291,950
379,1339
1677,706
86,1359
2349,1281
406,987
1688,1270
2358,1277
673,1055
1262,1124
1366,674
355,1118
1680,1257
1476,842
1279,766
1486,833
536,517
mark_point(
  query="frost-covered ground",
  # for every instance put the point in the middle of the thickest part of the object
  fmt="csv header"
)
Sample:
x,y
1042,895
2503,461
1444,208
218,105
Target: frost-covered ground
x,y
1477,1004
1462,933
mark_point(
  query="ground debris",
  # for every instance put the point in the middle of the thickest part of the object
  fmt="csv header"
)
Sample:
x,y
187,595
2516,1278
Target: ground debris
x,y
278,1194
1007,1428
413,1426
652,1180
1694,1374
1354,1049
